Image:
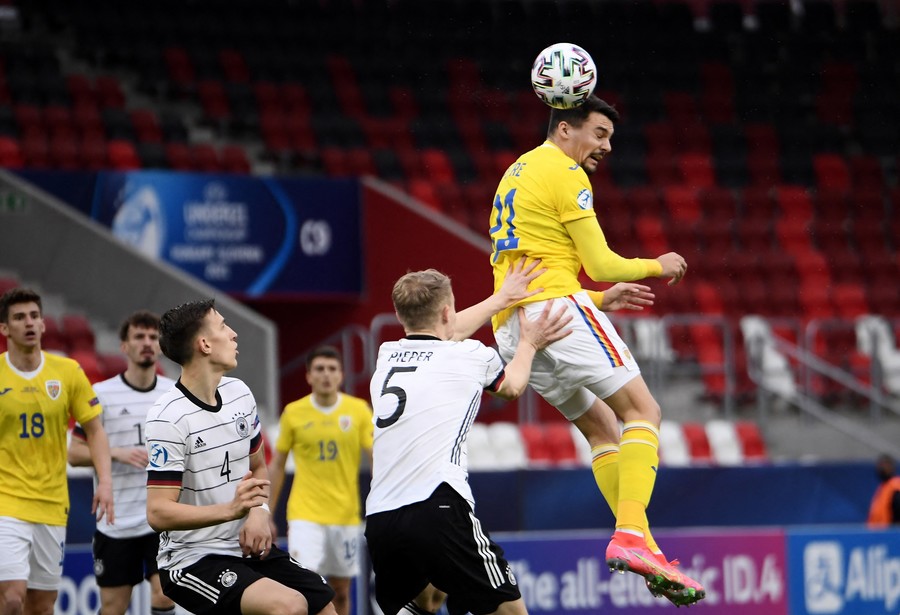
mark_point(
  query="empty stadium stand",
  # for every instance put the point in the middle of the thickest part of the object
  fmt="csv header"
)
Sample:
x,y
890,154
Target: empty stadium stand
x,y
758,138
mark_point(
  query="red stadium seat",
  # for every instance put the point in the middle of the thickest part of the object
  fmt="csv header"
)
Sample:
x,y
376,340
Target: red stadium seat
x,y
559,442
111,364
832,172
122,155
10,153
93,152
751,440
178,156
78,332
64,152
89,362
696,170
535,444
697,441
53,338
233,66
234,160
109,92
146,126
213,100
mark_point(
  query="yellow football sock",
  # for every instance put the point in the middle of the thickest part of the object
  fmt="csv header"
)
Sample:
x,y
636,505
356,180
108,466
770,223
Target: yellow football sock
x,y
638,460
605,465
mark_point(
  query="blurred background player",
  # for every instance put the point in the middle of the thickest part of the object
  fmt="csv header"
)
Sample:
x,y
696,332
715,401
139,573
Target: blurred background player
x,y
125,553
207,484
39,391
544,209
328,433
885,507
426,389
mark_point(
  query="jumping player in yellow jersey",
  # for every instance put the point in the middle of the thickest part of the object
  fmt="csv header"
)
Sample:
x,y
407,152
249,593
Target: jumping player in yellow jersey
x,y
39,392
328,432
544,209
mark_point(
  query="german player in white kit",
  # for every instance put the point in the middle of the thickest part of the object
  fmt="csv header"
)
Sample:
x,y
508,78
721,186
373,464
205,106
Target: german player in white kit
x,y
125,553
207,484
421,528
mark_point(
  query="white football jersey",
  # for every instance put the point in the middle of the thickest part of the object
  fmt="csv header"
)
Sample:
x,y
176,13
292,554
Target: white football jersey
x,y
425,395
124,414
205,450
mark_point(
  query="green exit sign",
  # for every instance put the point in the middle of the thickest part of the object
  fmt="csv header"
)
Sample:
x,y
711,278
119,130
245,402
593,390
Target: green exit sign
x,y
12,203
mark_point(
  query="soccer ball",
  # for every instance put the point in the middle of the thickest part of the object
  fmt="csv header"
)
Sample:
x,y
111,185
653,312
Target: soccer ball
x,y
563,75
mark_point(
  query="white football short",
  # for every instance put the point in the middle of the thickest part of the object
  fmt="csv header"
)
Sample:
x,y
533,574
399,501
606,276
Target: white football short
x,y
591,361
330,550
31,552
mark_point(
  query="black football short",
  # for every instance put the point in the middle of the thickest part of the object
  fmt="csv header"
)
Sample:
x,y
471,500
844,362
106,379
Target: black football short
x,y
124,561
216,583
438,541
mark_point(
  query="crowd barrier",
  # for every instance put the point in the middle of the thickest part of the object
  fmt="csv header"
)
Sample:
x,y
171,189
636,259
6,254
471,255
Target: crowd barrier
x,y
840,570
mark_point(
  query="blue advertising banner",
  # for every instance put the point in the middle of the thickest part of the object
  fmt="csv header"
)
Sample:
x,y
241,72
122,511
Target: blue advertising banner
x,y
743,571
240,234
78,591
244,235
844,572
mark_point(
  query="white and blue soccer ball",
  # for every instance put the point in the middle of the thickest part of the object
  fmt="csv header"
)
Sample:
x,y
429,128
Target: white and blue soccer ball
x,y
563,75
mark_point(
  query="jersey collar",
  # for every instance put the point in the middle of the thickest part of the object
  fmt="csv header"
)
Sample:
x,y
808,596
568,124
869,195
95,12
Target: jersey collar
x,y
200,404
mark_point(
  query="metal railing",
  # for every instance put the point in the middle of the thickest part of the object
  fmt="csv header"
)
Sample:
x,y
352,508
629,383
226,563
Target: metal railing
x,y
809,405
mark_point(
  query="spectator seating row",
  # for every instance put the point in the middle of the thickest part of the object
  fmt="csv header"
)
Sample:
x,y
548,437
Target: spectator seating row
x,y
508,446
72,335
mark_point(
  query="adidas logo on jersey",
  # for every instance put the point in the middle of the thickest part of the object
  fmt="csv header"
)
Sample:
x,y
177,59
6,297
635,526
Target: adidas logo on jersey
x,y
199,443
124,412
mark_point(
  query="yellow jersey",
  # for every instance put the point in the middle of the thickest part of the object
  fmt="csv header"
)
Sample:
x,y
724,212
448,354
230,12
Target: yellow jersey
x,y
327,445
538,195
34,417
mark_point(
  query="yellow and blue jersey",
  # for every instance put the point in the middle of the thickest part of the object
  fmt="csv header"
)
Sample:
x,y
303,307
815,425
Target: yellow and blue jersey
x,y
539,194
327,445
34,419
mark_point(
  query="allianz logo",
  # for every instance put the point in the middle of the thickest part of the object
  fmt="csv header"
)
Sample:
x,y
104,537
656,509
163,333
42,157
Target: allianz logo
x,y
866,574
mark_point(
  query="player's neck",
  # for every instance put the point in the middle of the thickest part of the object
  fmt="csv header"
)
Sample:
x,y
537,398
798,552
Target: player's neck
x,y
140,377
24,359
565,146
325,400
201,381
441,332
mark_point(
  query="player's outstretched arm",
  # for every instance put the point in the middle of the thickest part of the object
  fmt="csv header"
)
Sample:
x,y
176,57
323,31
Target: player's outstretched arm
x,y
165,512
98,444
623,296
600,262
513,290
534,335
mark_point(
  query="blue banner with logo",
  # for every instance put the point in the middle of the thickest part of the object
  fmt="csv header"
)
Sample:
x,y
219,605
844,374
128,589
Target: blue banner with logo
x,y
844,572
78,591
244,235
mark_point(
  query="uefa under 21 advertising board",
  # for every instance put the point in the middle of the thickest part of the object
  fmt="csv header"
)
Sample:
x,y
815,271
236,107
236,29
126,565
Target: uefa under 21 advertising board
x,y
243,235
847,571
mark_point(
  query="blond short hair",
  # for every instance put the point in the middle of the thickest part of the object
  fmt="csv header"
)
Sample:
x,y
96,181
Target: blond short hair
x,y
419,296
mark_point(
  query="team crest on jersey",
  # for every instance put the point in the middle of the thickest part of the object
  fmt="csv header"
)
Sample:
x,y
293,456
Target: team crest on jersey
x,y
54,388
585,199
227,578
344,423
158,455
242,426
510,575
